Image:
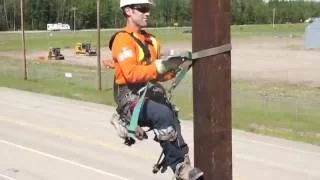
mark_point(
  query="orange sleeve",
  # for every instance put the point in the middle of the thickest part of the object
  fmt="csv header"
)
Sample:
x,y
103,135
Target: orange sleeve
x,y
125,53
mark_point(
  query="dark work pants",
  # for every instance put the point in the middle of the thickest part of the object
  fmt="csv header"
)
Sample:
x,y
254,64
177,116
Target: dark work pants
x,y
159,116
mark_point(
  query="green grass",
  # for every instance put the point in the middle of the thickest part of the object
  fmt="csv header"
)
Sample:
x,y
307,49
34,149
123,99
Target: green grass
x,y
49,78
284,117
44,40
278,109
283,30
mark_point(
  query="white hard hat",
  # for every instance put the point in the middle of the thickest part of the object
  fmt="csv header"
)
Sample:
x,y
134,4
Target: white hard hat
x,y
124,3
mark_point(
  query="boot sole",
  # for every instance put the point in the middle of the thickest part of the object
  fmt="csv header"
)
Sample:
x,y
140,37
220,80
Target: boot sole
x,y
196,174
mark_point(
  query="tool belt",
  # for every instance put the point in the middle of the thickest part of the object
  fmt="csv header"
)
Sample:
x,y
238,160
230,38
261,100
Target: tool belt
x,y
128,96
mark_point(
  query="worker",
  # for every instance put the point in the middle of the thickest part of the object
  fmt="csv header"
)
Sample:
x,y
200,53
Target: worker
x,y
136,57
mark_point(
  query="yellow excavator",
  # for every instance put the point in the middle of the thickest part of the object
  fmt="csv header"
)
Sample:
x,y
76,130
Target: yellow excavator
x,y
84,49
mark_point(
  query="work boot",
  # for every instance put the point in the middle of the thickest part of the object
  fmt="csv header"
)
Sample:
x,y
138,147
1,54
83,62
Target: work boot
x,y
184,171
119,125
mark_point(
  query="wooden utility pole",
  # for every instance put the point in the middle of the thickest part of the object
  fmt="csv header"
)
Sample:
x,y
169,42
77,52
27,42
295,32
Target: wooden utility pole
x,y
212,89
273,17
23,40
5,14
74,18
98,47
14,18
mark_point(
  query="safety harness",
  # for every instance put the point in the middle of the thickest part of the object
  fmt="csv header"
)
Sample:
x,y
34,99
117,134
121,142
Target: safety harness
x,y
181,73
142,88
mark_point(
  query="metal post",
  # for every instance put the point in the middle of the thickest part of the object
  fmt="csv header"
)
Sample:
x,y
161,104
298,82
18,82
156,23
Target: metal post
x,y
212,90
23,40
98,46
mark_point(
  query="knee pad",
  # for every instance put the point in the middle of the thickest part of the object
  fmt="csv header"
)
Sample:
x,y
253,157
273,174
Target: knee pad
x,y
167,134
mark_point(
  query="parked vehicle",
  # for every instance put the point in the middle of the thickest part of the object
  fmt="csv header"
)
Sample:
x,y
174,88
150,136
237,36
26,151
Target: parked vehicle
x,y
84,49
58,27
55,53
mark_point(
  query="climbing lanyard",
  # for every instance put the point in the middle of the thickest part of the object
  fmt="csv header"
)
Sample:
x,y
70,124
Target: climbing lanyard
x,y
194,57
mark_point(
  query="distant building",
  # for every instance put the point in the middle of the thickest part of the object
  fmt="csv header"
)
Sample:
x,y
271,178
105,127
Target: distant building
x,y
312,34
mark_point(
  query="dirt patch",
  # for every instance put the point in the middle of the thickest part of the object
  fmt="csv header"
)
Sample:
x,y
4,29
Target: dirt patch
x,y
274,58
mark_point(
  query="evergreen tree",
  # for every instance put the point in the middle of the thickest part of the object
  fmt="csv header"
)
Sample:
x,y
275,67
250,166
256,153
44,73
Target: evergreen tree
x,y
38,13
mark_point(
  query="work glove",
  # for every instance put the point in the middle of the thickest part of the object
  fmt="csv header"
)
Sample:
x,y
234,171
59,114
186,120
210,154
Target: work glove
x,y
141,134
169,63
165,65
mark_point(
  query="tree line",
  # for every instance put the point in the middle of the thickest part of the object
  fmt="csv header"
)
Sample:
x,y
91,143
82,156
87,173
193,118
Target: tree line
x,y
82,13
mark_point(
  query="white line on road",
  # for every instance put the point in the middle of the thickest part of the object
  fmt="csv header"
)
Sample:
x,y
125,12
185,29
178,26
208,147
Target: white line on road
x,y
83,139
6,177
64,160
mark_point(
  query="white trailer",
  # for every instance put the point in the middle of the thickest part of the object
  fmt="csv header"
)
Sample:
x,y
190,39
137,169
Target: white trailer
x,y
58,27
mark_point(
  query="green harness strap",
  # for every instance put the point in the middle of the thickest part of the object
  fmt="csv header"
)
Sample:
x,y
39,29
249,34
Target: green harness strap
x,y
136,112
137,108
180,75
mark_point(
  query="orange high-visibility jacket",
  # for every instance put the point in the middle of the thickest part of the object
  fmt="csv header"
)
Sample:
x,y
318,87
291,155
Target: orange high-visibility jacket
x,y
129,59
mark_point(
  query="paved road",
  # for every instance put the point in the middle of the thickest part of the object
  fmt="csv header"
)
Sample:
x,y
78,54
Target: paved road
x,y
50,138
